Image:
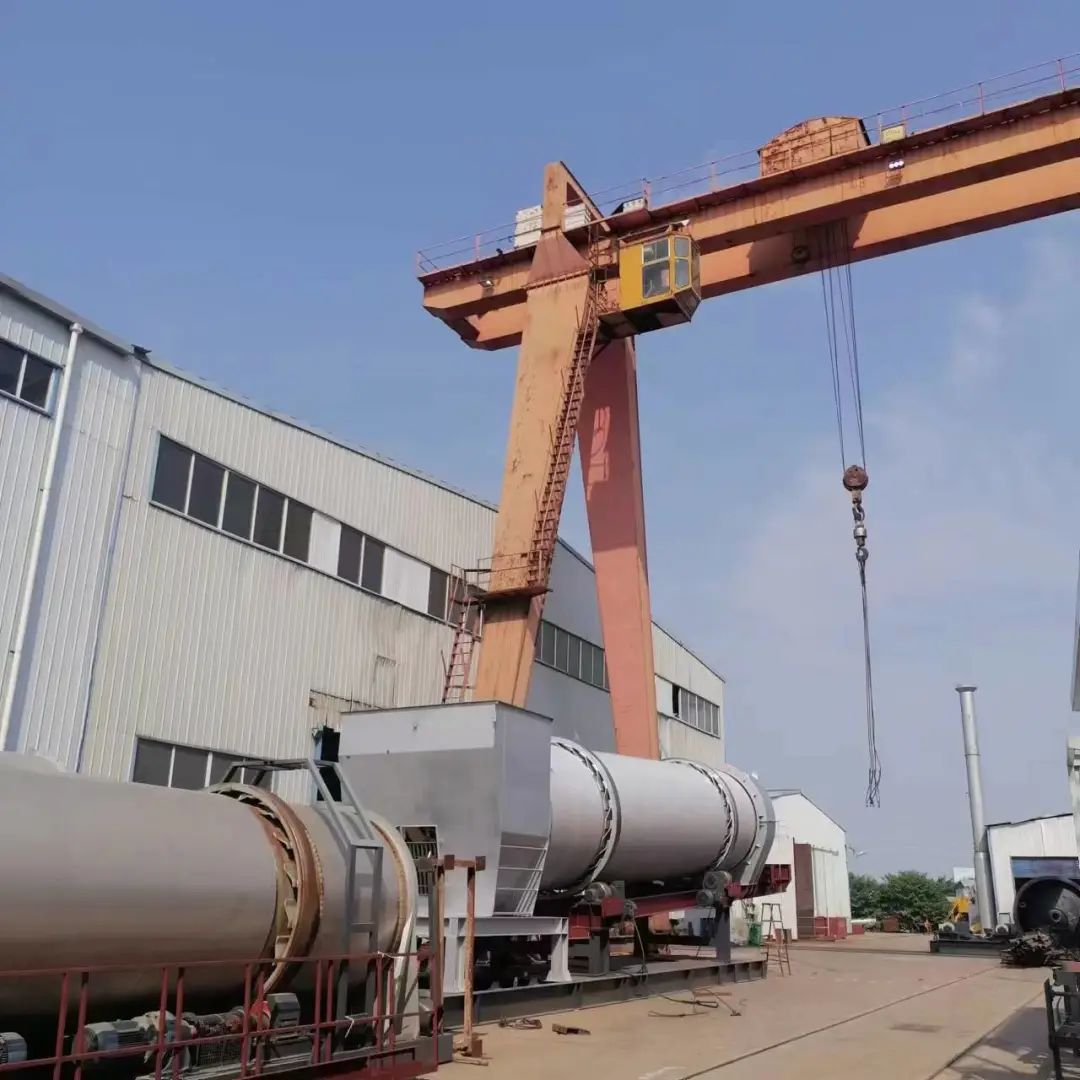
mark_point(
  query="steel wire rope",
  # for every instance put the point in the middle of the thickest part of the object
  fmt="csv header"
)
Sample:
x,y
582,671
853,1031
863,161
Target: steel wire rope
x,y
838,300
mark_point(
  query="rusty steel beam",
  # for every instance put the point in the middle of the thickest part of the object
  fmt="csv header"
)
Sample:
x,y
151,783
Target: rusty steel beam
x,y
1011,165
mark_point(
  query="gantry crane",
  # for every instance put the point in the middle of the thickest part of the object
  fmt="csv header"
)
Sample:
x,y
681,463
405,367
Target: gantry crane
x,y
575,285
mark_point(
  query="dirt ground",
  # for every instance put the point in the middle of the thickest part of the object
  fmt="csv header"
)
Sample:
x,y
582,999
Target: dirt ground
x,y
878,1006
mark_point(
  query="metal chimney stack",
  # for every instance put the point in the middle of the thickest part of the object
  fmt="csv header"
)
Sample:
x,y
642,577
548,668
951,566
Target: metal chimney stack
x,y
983,881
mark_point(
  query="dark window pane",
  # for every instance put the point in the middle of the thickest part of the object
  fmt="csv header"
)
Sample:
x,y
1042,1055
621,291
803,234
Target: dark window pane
x,y
36,380
268,512
239,503
171,478
596,666
674,701
298,531
573,663
206,481
562,650
436,598
219,766
151,762
348,564
547,643
10,365
189,768
607,685
373,564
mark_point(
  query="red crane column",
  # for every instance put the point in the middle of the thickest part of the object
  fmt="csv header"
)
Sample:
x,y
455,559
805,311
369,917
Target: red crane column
x,y
609,440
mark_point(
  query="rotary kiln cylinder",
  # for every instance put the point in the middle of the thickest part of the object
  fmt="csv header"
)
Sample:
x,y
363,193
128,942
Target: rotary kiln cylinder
x,y
94,872
618,818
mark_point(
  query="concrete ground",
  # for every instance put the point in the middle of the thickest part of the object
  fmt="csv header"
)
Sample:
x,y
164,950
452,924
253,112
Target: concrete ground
x,y
879,1006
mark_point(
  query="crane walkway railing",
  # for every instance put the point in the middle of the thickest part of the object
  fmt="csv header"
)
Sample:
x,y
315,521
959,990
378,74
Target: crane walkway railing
x,y
962,103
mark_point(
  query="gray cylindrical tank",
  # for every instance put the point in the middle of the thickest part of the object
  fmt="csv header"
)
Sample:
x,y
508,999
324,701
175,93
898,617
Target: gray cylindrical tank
x,y
99,873
624,818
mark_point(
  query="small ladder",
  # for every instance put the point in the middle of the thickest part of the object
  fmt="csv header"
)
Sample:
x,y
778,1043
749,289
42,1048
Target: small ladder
x,y
774,937
457,678
549,508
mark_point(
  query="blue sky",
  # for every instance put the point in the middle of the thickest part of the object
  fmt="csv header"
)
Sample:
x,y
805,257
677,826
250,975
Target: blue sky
x,y
241,187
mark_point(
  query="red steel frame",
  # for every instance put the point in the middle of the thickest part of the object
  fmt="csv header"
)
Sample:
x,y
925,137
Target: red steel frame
x,y
381,1061
774,879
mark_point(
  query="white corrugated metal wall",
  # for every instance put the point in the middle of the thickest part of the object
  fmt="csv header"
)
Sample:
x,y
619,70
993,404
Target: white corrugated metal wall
x,y
212,642
51,701
24,441
675,664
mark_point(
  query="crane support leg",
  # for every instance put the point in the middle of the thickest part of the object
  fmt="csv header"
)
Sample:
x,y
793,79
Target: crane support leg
x,y
610,444
557,298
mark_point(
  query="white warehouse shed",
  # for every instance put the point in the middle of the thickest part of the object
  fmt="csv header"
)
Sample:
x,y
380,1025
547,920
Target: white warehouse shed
x,y
1021,850
815,847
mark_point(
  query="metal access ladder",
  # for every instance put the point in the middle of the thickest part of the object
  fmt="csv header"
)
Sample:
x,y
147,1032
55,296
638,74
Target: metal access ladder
x,y
549,508
457,677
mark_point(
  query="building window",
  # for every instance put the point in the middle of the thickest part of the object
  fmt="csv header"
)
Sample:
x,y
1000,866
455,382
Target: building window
x,y
349,553
269,512
437,587
371,577
546,655
173,765
298,531
572,655
211,493
173,475
239,506
207,481
695,710
25,376
208,492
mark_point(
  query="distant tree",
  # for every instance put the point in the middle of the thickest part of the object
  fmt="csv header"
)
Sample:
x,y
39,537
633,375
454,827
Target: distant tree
x,y
915,897
865,896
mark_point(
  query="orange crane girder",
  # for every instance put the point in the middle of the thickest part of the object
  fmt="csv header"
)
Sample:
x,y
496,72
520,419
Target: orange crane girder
x,y
1005,166
1009,165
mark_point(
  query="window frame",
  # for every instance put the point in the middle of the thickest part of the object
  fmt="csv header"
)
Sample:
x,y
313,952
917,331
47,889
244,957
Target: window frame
x,y
371,550
558,649
20,381
208,769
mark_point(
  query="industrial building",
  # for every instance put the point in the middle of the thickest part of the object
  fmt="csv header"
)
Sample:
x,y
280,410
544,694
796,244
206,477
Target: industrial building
x,y
189,578
816,849
1022,850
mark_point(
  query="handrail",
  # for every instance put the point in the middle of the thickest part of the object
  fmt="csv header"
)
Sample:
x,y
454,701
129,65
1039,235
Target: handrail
x,y
971,100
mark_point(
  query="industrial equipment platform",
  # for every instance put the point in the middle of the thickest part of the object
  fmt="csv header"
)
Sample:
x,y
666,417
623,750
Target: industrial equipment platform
x,y
631,979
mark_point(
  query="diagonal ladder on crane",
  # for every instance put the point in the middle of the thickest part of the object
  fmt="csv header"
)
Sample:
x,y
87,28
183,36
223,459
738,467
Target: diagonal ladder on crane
x,y
549,508
467,596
